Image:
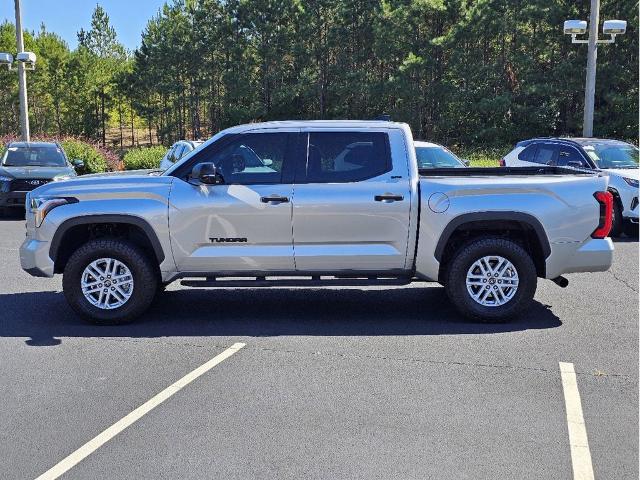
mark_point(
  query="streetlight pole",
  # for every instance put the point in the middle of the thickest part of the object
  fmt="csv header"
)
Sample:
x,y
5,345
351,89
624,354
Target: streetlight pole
x,y
579,27
592,58
22,78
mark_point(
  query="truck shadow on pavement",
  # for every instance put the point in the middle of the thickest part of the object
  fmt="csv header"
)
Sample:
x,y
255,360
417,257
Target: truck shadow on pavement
x,y
44,317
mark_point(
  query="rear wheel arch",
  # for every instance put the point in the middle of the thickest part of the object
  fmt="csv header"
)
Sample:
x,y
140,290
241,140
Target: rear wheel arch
x,y
523,228
75,232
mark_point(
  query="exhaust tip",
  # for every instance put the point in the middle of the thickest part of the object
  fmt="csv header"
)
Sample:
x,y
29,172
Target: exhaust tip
x,y
561,281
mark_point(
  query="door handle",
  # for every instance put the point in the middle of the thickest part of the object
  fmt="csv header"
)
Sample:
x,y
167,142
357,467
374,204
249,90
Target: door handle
x,y
274,198
388,197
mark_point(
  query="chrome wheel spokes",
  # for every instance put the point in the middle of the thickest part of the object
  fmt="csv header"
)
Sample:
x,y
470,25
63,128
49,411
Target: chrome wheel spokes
x,y
492,281
107,283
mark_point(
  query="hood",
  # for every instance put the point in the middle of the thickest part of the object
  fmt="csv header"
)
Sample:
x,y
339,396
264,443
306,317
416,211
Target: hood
x,y
36,172
124,173
623,172
129,185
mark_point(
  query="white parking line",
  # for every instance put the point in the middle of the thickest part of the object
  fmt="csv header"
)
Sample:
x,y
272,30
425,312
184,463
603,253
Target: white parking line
x,y
102,438
580,454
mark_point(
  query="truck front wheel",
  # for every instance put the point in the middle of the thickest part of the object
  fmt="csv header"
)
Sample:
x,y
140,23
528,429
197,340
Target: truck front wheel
x,y
491,279
109,281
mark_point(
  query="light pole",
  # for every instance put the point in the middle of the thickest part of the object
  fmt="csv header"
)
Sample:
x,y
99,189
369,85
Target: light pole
x,y
22,78
579,27
26,61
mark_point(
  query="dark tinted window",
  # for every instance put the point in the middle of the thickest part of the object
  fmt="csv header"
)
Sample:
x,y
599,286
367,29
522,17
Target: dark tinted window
x,y
347,156
547,154
42,156
528,154
570,154
252,158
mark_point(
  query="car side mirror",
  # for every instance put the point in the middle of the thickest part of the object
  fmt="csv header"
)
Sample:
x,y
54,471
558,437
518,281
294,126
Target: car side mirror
x,y
77,163
575,164
267,162
207,174
467,163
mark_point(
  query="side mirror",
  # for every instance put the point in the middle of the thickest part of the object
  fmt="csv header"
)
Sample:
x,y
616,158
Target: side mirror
x,y
77,163
467,163
267,162
206,173
575,164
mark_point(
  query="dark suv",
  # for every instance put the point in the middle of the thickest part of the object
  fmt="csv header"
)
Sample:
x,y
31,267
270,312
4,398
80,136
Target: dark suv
x,y
27,165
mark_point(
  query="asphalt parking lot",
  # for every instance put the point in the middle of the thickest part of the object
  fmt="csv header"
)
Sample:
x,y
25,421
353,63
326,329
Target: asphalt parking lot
x,y
355,383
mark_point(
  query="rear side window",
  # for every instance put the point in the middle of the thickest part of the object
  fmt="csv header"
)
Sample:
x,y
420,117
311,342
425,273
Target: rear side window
x,y
547,154
570,154
334,157
528,154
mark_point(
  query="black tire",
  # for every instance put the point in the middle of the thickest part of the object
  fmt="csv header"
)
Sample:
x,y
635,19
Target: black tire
x,y
463,259
144,274
617,222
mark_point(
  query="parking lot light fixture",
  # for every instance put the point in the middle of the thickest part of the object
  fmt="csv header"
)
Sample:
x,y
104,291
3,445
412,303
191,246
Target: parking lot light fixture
x,y
579,27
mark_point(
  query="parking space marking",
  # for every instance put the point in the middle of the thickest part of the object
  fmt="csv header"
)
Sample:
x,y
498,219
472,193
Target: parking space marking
x,y
580,454
102,438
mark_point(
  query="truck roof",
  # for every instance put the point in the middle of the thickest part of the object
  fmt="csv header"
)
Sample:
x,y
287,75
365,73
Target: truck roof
x,y
317,123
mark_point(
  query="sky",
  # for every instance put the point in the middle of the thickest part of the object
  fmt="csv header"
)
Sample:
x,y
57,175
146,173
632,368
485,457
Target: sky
x,y
67,17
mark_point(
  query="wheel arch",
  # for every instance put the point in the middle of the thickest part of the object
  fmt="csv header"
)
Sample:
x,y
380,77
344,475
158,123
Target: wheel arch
x,y
75,231
521,227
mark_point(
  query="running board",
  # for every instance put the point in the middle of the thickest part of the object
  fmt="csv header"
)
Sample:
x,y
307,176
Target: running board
x,y
288,282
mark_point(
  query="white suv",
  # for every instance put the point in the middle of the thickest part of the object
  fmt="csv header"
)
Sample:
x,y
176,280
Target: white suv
x,y
177,151
619,160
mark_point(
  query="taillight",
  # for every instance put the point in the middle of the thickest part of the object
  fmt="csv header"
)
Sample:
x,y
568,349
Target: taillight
x,y
503,162
605,199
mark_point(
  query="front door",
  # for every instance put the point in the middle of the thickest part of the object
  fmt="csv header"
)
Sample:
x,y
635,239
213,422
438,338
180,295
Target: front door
x,y
352,202
244,224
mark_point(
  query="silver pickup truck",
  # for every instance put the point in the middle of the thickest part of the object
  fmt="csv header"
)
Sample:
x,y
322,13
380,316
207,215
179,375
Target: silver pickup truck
x,y
316,203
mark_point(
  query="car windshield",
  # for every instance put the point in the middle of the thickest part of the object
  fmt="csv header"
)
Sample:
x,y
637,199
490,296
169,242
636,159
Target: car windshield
x,y
36,156
608,155
437,157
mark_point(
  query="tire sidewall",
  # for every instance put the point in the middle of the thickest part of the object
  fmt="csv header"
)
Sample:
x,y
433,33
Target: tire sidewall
x,y
457,288
129,255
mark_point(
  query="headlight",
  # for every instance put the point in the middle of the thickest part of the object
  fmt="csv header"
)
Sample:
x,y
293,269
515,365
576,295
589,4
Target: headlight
x,y
41,206
59,178
5,179
631,181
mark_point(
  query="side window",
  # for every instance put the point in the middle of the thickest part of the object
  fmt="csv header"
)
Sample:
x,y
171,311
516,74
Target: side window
x,y
570,154
528,154
178,152
252,158
170,153
347,156
547,154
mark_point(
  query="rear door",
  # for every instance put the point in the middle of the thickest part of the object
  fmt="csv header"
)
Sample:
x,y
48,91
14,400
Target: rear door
x,y
352,201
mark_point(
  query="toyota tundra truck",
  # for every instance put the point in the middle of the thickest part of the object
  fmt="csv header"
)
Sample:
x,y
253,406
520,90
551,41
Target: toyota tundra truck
x,y
316,203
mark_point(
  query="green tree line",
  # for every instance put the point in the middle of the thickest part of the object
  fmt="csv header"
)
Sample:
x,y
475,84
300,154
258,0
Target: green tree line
x,y
462,72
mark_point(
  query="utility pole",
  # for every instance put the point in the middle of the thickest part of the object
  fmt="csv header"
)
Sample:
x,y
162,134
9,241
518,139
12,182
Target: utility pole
x,y
592,57
22,78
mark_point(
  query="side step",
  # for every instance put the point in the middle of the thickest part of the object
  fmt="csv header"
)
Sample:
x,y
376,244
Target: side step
x,y
225,282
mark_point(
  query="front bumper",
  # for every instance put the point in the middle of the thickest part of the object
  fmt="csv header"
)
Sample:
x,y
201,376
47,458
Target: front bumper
x,y
13,199
592,255
34,258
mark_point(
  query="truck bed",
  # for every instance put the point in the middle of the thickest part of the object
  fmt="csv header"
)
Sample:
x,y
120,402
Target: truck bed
x,y
500,171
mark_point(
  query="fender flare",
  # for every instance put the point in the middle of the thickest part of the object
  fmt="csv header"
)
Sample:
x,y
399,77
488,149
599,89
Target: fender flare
x,y
89,219
520,217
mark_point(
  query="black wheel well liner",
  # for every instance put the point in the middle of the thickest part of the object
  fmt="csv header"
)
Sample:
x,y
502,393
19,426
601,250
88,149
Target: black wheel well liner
x,y
520,225
134,228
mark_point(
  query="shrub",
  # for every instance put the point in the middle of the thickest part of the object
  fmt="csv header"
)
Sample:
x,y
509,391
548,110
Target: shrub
x,y
482,156
144,157
94,160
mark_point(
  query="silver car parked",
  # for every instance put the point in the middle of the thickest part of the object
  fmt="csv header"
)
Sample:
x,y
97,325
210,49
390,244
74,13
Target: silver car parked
x,y
177,151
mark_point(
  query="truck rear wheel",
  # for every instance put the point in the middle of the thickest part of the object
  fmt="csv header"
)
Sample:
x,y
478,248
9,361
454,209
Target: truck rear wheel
x,y
109,281
491,280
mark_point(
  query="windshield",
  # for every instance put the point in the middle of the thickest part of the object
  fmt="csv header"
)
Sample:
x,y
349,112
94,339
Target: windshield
x,y
36,156
608,155
436,157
